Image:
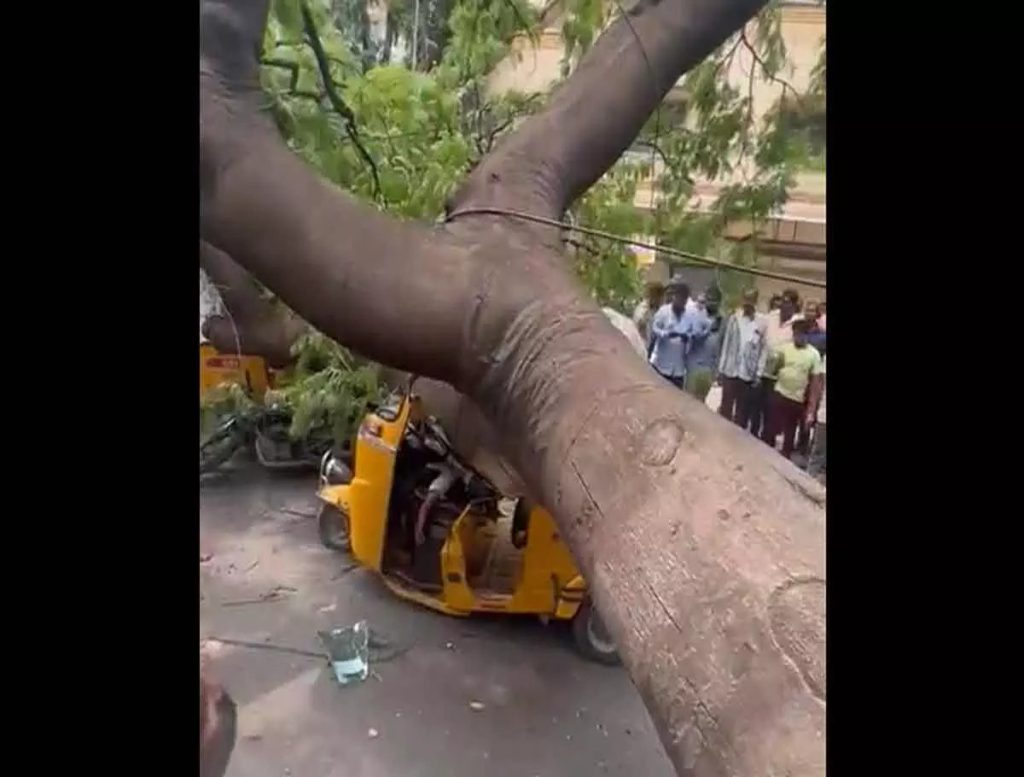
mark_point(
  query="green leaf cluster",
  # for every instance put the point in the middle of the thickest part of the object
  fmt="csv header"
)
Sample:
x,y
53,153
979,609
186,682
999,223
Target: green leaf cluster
x,y
327,389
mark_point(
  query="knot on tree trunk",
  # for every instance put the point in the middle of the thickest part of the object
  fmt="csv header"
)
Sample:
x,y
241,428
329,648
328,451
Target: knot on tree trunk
x,y
797,616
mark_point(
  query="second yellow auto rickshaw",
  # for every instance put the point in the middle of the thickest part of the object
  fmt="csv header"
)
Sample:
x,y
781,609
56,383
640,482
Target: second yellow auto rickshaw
x,y
217,369
441,535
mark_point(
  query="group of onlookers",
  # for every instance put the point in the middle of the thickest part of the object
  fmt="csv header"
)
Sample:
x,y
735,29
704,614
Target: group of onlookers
x,y
771,366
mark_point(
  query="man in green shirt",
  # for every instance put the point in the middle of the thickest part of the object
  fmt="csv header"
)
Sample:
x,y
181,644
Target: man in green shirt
x,y
799,379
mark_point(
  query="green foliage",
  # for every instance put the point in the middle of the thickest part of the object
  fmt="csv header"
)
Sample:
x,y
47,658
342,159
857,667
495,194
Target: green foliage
x,y
709,131
424,130
426,127
582,22
326,389
227,399
609,268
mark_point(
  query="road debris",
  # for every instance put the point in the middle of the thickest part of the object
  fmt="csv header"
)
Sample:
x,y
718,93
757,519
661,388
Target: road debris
x,y
204,557
477,705
298,513
373,733
274,594
327,608
348,651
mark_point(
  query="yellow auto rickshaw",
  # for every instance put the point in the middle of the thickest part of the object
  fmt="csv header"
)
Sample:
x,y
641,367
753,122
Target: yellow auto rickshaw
x,y
249,372
439,533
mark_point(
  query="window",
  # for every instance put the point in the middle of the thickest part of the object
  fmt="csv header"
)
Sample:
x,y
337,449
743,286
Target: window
x,y
804,119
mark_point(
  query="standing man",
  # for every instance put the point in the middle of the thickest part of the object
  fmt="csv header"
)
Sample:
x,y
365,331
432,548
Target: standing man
x,y
671,329
816,333
696,305
645,310
777,334
702,356
799,376
815,337
742,360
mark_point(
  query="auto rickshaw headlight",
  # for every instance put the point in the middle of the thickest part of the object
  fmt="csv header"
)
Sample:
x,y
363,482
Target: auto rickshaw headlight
x,y
337,473
334,472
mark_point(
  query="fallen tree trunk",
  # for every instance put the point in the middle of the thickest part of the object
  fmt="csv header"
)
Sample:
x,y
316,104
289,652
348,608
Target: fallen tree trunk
x,y
259,328
703,549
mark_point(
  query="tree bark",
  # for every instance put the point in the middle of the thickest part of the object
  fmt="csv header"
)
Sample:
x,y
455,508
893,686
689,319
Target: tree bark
x,y
703,549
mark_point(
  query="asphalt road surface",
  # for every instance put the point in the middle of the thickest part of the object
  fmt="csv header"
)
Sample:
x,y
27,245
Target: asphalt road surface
x,y
267,582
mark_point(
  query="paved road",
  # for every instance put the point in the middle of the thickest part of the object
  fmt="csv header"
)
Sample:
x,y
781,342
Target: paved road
x,y
547,712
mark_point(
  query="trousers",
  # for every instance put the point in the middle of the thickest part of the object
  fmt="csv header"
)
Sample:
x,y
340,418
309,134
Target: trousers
x,y
783,418
760,400
737,399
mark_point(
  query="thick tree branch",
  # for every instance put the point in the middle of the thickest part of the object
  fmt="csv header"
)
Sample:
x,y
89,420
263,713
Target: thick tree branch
x,y
598,112
255,325
288,236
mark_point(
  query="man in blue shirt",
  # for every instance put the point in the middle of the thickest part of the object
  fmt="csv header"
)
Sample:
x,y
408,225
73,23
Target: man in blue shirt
x,y
672,329
815,335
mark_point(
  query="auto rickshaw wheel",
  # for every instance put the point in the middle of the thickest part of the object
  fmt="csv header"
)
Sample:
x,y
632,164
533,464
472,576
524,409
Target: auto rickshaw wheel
x,y
591,636
332,524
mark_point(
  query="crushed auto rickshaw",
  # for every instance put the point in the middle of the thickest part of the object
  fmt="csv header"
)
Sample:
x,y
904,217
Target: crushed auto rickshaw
x,y
260,426
441,535
217,369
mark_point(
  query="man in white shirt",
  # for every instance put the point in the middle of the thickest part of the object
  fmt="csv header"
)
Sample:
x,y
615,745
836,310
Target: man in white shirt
x,y
742,359
778,332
